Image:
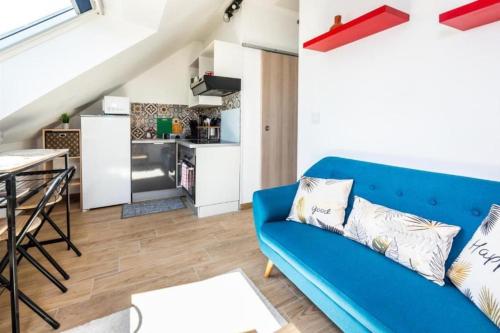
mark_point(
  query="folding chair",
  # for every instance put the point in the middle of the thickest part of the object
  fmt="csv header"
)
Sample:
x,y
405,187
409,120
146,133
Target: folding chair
x,y
25,224
45,214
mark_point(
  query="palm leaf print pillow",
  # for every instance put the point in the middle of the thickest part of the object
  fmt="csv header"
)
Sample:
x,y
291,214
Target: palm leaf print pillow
x,y
476,271
321,203
417,243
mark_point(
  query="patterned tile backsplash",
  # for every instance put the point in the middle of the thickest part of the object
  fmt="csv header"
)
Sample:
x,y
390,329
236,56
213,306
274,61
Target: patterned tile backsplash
x,y
143,115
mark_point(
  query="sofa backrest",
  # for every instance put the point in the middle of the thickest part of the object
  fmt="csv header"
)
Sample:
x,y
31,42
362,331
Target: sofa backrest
x,y
455,200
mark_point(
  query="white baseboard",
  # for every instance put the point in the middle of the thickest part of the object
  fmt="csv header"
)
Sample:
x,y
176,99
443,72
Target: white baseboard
x,y
227,207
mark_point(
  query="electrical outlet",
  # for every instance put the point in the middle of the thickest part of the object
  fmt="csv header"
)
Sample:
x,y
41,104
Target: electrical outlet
x,y
315,118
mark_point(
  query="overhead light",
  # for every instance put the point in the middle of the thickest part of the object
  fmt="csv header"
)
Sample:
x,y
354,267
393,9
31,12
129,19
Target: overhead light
x,y
233,7
99,8
227,17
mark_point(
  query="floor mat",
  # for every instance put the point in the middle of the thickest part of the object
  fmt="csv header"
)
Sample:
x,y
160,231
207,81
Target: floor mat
x,y
151,207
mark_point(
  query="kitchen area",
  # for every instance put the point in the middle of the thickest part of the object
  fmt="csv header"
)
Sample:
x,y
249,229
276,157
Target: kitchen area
x,y
142,152
201,163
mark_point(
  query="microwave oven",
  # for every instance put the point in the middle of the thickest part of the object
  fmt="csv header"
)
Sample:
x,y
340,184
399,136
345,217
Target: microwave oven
x,y
116,105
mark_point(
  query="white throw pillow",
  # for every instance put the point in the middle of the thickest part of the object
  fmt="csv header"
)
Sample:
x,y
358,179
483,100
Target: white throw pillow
x,y
321,202
420,244
476,271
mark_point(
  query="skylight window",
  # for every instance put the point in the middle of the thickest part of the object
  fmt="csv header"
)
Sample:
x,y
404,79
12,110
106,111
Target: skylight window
x,y
21,19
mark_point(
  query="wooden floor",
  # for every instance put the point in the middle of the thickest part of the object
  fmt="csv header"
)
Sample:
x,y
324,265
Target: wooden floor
x,y
123,257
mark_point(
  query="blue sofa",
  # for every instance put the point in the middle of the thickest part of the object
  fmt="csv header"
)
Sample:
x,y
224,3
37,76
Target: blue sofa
x,y
357,288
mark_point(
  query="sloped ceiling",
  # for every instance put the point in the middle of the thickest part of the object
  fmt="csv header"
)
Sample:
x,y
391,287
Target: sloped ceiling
x,y
289,4
165,25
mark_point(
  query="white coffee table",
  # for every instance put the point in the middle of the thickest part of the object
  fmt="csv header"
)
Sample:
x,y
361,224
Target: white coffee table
x,y
226,303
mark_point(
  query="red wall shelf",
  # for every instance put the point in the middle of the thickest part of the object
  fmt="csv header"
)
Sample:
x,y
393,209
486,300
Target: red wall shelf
x,y
371,23
472,15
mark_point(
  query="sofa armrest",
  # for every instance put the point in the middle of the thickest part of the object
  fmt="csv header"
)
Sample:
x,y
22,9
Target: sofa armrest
x,y
273,204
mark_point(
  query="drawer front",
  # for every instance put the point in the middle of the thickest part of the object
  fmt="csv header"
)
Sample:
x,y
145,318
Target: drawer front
x,y
63,140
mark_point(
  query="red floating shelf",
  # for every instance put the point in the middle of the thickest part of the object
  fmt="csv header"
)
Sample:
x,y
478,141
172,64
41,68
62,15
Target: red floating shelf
x,y
371,23
472,15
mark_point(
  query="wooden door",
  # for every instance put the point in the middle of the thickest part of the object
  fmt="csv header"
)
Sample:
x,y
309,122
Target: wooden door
x,y
279,119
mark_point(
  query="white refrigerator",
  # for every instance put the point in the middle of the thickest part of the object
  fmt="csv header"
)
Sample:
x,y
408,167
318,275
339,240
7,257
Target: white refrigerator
x,y
106,173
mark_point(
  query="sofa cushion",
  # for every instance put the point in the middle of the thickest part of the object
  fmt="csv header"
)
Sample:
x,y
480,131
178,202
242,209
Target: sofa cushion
x,y
363,281
476,272
321,202
419,244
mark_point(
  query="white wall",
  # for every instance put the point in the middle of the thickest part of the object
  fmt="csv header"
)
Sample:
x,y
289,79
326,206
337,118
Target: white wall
x,y
421,94
251,119
262,23
270,26
25,144
230,32
167,82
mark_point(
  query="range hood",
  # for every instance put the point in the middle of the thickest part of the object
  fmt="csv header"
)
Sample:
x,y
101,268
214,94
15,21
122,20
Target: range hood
x,y
216,86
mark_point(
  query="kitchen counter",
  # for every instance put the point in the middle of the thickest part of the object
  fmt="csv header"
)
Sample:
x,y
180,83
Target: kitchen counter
x,y
189,144
155,141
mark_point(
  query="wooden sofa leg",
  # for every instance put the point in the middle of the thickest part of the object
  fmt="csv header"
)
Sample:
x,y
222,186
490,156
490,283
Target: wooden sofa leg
x,y
269,268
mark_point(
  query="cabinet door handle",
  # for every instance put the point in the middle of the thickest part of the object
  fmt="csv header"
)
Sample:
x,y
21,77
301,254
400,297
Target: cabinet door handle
x,y
267,128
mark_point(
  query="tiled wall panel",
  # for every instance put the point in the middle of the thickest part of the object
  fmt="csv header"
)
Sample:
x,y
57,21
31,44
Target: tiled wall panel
x,y
143,115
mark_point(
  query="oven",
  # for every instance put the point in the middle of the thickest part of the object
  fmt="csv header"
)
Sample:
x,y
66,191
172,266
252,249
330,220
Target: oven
x,y
186,171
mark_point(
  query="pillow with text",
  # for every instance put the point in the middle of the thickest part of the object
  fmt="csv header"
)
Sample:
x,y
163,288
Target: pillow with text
x,y
476,271
321,203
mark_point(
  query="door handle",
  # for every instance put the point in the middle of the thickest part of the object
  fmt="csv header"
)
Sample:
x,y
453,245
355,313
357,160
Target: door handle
x,y
267,128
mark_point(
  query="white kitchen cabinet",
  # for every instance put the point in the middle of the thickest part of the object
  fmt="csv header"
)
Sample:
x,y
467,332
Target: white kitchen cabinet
x,y
222,58
227,59
203,101
217,180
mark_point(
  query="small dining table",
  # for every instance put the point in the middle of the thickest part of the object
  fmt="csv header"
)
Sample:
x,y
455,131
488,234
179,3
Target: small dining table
x,y
15,169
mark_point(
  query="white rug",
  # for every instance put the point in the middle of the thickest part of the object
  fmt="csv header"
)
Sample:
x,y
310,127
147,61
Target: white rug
x,y
118,322
226,303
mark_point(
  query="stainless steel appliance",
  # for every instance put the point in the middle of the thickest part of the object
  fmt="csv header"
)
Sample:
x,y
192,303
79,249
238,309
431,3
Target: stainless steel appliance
x,y
209,134
209,130
209,85
154,174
